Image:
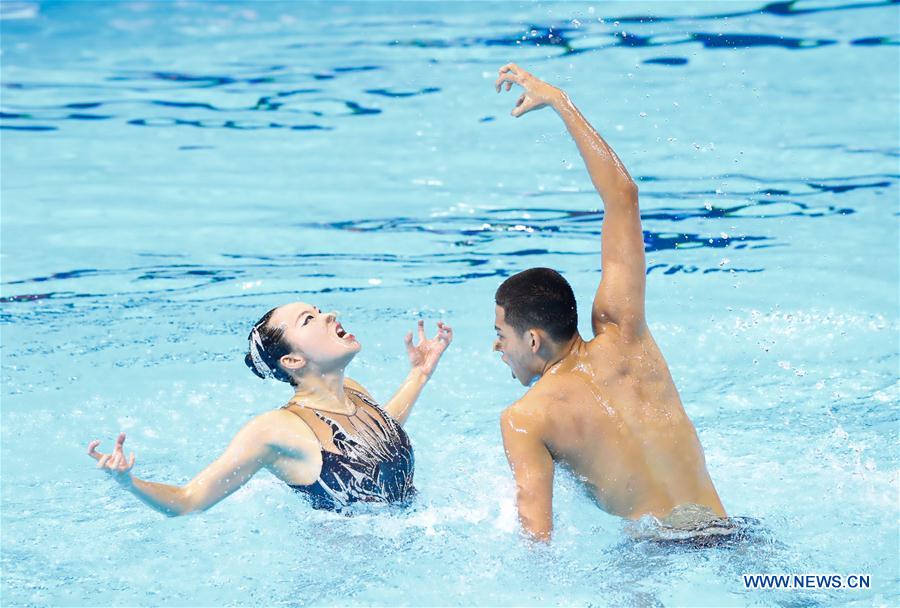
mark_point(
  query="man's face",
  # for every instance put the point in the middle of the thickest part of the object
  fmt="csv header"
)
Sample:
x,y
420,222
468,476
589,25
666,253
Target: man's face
x,y
516,348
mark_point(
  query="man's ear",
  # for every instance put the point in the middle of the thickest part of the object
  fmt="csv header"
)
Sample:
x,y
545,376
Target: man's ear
x,y
535,339
293,362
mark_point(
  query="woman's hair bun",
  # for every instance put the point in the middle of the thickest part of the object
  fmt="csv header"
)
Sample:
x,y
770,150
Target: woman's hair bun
x,y
248,361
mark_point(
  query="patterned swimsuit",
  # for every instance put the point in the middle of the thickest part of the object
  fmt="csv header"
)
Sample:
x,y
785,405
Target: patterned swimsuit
x,y
372,460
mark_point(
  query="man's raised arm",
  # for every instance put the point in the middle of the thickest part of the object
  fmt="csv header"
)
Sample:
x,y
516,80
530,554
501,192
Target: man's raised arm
x,y
620,296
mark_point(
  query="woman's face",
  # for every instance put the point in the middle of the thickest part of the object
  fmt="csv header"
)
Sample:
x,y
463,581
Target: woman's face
x,y
315,336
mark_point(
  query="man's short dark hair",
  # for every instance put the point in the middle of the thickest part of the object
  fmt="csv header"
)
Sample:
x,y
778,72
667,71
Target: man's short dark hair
x,y
541,298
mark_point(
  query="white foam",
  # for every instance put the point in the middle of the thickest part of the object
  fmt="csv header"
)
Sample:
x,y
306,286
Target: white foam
x,y
18,10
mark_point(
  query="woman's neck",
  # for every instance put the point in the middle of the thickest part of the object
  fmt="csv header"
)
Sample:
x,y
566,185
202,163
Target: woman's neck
x,y
325,389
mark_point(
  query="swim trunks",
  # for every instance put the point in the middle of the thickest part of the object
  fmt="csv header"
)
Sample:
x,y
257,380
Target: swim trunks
x,y
688,524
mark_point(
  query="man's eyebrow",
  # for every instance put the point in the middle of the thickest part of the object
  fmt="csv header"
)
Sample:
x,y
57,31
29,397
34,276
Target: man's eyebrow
x,y
497,328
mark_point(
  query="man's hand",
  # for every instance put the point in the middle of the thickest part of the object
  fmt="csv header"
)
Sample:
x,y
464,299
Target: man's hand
x,y
538,94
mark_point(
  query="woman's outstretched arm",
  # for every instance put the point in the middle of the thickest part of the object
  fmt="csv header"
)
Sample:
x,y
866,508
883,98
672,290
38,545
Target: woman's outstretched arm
x,y
249,451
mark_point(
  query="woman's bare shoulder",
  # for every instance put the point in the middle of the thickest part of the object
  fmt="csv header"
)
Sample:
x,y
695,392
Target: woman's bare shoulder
x,y
281,427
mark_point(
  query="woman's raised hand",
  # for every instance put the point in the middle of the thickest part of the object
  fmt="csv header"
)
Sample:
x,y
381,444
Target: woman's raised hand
x,y
538,94
425,355
115,464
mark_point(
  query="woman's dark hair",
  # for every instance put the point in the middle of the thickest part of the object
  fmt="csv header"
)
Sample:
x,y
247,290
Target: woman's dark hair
x,y
266,347
542,298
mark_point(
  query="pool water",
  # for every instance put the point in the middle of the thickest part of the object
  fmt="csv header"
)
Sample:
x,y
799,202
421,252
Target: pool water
x,y
170,171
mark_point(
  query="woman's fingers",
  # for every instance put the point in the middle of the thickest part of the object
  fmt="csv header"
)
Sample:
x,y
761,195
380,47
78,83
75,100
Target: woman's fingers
x,y
445,333
115,461
421,327
92,450
118,454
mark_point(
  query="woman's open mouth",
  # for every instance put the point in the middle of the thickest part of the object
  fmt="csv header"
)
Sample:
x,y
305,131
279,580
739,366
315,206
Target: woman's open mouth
x,y
342,333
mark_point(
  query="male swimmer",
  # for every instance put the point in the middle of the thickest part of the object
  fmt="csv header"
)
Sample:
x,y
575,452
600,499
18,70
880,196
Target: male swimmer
x,y
331,442
605,408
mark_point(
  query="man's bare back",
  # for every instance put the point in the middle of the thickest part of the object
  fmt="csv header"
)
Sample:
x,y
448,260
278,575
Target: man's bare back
x,y
617,422
607,408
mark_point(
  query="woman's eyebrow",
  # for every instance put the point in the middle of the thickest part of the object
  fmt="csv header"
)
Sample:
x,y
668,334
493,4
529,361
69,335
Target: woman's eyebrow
x,y
305,312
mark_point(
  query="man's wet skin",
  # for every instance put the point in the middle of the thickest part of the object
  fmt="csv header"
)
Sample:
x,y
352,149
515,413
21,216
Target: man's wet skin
x,y
606,408
619,424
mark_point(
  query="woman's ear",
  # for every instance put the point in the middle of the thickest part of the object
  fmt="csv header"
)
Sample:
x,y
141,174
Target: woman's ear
x,y
293,362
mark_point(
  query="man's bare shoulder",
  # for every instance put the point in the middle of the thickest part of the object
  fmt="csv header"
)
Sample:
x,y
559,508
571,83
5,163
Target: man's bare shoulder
x,y
527,414
532,408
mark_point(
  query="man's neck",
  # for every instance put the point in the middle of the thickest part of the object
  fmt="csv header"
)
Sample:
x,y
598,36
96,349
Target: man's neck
x,y
568,348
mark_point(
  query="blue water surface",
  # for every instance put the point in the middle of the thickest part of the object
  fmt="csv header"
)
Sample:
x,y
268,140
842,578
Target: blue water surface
x,y
172,170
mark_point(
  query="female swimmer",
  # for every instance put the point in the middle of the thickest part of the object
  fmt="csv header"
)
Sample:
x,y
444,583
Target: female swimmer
x,y
331,441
